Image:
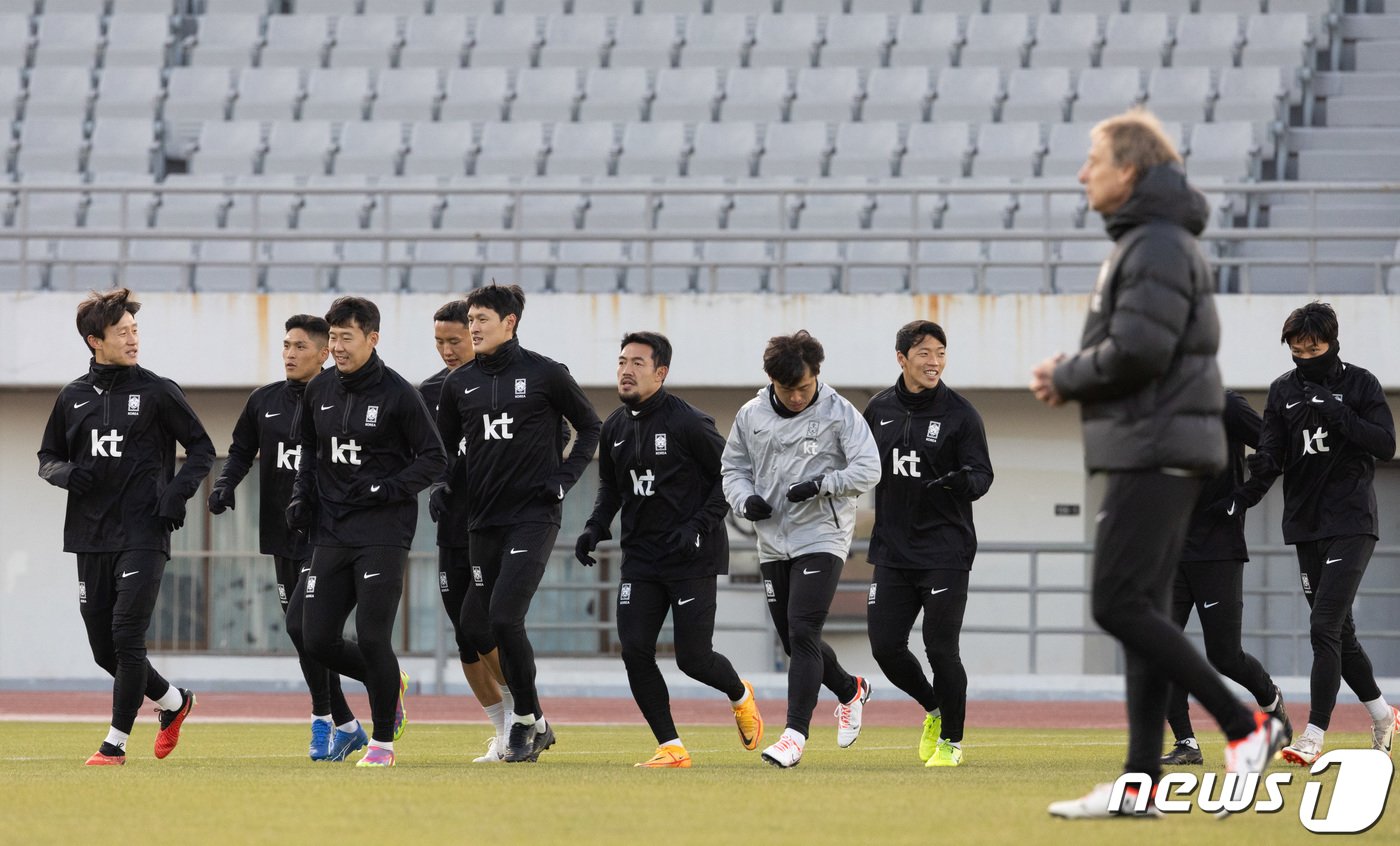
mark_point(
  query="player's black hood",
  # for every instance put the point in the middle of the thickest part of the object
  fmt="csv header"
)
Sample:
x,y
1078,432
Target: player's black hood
x,y
1161,194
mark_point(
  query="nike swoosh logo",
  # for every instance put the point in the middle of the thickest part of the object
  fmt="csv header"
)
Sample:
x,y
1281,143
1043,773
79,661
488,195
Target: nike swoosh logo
x,y
374,488
370,575
758,431
936,592
1317,400
807,572
886,422
327,407
469,390
1231,512
80,404
514,551
684,601
1291,404
1210,604
132,573
270,414
619,443
697,541
306,569
1334,561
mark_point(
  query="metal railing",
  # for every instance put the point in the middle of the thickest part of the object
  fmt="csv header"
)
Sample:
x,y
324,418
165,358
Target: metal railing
x,y
398,247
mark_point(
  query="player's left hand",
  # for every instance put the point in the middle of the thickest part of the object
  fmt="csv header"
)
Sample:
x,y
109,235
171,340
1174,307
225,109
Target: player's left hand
x,y
1322,399
803,491
683,542
170,511
220,499
955,482
549,493
369,491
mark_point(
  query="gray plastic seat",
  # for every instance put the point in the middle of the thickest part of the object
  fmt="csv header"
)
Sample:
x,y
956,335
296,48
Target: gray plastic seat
x,y
1027,276
959,274
760,211
272,208
296,41
616,94
715,41
756,94
690,94
438,149
877,267
546,94
810,267
15,40
1180,93
67,39
835,212
53,144
970,94
337,94
479,209
1226,150
576,41
1082,261
736,266
884,7
591,266
1008,150
298,147
646,41
1042,94
870,149
1065,41
1208,40
1104,92
505,41
533,7
1002,40
925,40
510,149
858,40
1277,39
1065,149
1137,40
122,145
904,94
970,211
59,92
936,150
799,149
232,147
137,40
652,149
200,93
50,209
680,273
408,94
160,265
614,212
227,266
1025,7
129,92
832,94
606,7
268,93
1091,7
532,273
792,39
689,211
410,209
1066,211
582,149
370,148
1253,94
202,210
476,94
300,266
11,94
365,41
327,7
724,149
330,212
435,41
224,40
445,266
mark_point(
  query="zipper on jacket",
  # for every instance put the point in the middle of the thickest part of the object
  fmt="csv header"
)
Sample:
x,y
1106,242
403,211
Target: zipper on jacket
x,y
493,392
106,408
834,519
345,418
908,418
637,436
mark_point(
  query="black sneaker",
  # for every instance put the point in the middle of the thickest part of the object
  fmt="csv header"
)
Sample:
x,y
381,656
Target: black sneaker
x,y
543,740
521,744
1281,714
1183,754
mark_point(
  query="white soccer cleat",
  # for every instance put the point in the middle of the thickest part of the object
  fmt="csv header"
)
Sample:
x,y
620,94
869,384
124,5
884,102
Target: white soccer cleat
x,y
1094,805
491,756
1253,752
786,753
848,715
1302,751
1383,732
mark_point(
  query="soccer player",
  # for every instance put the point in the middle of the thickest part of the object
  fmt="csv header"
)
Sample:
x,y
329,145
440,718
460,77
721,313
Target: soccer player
x,y
110,442
934,462
1326,423
1150,400
448,508
504,410
797,458
1210,577
368,446
662,471
269,429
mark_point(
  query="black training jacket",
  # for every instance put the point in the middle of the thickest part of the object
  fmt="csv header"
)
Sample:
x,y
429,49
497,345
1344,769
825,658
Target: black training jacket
x,y
508,407
270,429
452,528
922,436
1329,469
368,429
1145,377
1215,534
122,423
659,463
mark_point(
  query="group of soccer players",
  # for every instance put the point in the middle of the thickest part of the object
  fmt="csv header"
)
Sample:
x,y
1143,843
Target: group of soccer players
x,y
346,450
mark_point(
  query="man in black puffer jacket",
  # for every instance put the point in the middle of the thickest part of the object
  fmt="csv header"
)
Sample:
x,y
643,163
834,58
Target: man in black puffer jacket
x,y
1151,401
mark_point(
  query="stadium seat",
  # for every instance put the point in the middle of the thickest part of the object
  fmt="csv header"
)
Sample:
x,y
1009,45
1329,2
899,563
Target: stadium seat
x,y
1000,40
959,274
1042,94
1091,7
445,266
1166,7
59,91
1065,41
327,7
736,266
299,148
1104,92
316,212
904,94
967,94
137,40
183,210
1282,40
971,211
799,149
606,7
129,92
276,204
1082,261
268,93
366,41
756,212
1252,94
55,144
476,94
690,94
1025,7
619,212
410,94
546,94
937,150
337,94
1139,41
1000,276
50,209
833,212
509,149
419,205
482,208
1065,149
925,40
532,274
236,266
682,276
194,95
724,149
438,149
582,149
809,267
592,267
296,41
869,149
689,211
370,148
395,7
534,7
884,7
652,149
15,40
68,39
786,40
1010,150
1208,40
831,94
1226,150
505,41
673,7
715,41
877,267
756,94
647,41
123,145
616,94
299,265
576,41
1180,93
231,40
11,95
435,41
1066,211
160,265
232,147
861,41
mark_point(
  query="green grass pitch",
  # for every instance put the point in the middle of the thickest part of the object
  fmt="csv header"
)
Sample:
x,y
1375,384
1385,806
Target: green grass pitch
x,y
245,783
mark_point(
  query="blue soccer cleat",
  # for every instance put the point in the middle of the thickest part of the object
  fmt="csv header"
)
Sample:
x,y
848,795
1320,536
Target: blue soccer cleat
x,y
346,742
320,748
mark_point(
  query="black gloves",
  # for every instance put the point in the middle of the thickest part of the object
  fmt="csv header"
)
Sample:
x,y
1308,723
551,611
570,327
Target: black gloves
x,y
549,493
803,491
369,492
683,542
1228,508
299,514
1262,464
587,542
170,510
1321,399
220,499
757,508
80,480
956,482
437,501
